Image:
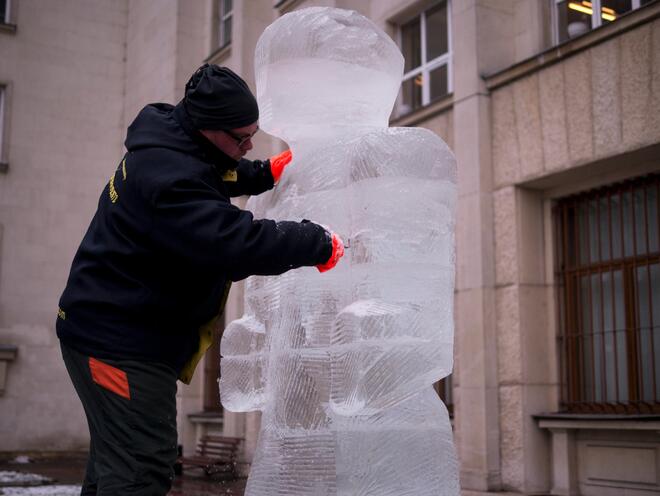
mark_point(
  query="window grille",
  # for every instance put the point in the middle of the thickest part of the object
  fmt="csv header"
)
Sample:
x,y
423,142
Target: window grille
x,y
607,253
425,42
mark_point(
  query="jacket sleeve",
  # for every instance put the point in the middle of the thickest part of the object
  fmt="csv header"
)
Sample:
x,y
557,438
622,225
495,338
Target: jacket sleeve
x,y
254,177
196,224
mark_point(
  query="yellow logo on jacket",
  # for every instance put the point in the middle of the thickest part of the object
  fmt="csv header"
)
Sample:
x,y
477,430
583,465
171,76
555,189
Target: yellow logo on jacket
x,y
112,191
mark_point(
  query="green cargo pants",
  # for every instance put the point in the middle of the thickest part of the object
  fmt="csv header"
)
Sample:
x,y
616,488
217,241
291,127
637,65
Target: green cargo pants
x,y
131,413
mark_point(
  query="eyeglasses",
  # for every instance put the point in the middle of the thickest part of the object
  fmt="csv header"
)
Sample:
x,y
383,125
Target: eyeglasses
x,y
241,140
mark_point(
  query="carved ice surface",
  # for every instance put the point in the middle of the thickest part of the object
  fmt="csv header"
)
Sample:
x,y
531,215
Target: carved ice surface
x,y
342,363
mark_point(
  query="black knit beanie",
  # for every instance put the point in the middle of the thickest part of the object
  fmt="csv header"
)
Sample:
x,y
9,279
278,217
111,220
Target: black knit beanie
x,y
217,98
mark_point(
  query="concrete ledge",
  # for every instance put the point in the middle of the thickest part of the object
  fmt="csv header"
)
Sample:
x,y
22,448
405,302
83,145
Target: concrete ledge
x,y
602,422
285,6
220,54
603,454
424,113
8,352
7,28
580,176
206,418
467,492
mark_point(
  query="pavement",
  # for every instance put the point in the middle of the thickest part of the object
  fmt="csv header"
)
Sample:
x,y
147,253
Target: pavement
x,y
62,473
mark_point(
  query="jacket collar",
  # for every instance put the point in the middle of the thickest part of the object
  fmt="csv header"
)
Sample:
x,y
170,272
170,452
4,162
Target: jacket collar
x,y
207,151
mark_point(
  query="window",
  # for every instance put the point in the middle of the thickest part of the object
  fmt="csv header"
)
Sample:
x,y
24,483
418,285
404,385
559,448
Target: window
x,y
426,45
4,11
574,18
608,280
224,22
3,92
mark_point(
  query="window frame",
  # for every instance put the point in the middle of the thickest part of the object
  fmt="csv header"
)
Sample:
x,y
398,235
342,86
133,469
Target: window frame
x,y
222,17
596,19
574,334
426,67
3,125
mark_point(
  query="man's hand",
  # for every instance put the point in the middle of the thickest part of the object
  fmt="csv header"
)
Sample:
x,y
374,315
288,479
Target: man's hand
x,y
278,163
337,253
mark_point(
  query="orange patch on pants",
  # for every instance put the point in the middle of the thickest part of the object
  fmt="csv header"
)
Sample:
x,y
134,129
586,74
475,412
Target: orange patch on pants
x,y
109,377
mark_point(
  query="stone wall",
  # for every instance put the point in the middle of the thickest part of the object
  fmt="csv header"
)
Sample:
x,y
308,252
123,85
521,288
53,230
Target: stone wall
x,y
78,73
65,66
601,102
588,115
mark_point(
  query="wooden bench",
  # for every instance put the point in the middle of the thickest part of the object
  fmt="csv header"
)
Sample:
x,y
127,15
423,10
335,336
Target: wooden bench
x,y
214,455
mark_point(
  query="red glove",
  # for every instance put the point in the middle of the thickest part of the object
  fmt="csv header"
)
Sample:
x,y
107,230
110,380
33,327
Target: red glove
x,y
278,163
337,253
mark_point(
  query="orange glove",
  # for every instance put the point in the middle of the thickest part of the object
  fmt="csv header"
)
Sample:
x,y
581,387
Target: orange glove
x,y
278,163
337,253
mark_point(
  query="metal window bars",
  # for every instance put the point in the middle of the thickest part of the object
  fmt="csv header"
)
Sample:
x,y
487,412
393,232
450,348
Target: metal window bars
x,y
607,273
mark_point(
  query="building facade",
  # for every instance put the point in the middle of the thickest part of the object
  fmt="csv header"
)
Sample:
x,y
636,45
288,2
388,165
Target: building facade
x,y
552,108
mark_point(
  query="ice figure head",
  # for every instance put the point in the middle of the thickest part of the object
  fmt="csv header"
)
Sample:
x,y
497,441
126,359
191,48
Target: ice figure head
x,y
320,70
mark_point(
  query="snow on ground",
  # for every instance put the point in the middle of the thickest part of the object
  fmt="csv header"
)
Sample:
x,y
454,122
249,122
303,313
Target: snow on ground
x,y
27,484
41,491
11,478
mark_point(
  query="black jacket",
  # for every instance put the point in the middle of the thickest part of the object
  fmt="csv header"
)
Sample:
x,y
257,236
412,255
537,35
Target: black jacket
x,y
165,240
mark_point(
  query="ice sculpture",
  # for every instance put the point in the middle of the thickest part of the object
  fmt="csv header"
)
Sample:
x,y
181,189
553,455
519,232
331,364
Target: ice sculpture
x,y
342,363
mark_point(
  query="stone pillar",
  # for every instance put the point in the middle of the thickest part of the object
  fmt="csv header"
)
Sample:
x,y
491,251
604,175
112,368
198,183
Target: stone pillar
x,y
525,340
476,377
482,43
189,400
564,461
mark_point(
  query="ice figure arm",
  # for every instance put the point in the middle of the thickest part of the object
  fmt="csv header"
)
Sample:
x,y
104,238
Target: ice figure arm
x,y
386,352
242,380
253,177
197,225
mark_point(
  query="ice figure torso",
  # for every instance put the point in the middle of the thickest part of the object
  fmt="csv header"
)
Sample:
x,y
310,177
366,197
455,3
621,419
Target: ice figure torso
x,y
342,363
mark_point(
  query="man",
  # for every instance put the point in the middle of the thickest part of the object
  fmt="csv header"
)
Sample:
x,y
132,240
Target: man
x,y
153,272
